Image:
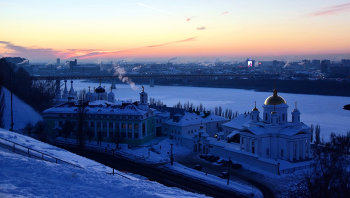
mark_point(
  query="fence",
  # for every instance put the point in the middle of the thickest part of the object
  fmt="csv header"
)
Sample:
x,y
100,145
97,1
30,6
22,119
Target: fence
x,y
32,152
291,170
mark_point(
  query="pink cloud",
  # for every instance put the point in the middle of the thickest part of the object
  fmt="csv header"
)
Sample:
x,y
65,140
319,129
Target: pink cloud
x,y
189,18
225,13
201,28
48,53
332,10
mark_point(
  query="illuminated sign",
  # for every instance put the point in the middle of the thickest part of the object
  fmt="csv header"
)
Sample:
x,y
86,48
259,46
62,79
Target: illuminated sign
x,y
250,63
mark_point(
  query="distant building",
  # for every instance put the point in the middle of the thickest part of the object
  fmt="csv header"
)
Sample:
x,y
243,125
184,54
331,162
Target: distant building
x,y
73,63
316,62
345,62
324,65
339,71
58,62
250,63
275,63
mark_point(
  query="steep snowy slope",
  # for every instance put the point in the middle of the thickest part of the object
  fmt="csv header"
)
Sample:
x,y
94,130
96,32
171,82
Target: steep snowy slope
x,y
22,113
21,176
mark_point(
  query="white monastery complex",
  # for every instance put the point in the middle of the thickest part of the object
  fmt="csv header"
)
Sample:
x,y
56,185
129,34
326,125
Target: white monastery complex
x,y
263,138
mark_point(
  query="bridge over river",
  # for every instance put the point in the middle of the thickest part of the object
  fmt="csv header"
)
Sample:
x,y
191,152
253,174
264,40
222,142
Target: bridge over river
x,y
151,77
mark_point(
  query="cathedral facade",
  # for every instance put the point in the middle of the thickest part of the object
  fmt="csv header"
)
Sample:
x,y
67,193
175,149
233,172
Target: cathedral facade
x,y
273,136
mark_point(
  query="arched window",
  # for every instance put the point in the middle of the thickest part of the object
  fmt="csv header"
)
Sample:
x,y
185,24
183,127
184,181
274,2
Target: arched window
x,y
299,118
282,117
257,117
281,152
266,116
292,118
267,152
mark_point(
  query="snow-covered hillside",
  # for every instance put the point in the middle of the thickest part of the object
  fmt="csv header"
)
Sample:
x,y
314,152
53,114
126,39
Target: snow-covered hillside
x,y
22,113
22,176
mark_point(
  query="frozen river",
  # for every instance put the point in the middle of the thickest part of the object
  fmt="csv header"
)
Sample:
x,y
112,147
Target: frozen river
x,y
315,109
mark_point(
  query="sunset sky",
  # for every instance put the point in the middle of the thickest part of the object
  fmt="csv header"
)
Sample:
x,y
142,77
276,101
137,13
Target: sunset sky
x,y
159,30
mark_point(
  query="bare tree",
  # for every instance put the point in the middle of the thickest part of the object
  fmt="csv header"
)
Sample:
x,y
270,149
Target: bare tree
x,y
329,176
67,129
117,139
220,111
317,134
81,132
90,133
28,128
99,136
2,106
312,132
200,107
41,131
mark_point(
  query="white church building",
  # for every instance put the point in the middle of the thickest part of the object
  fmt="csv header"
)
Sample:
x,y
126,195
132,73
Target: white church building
x,y
274,136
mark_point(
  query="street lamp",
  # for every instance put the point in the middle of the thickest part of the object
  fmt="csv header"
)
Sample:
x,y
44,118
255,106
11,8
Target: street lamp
x,y
171,155
113,159
229,165
11,125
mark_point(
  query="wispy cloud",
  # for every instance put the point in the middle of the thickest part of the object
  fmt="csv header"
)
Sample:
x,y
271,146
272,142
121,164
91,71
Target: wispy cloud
x,y
225,13
189,18
30,52
332,10
201,28
48,53
100,53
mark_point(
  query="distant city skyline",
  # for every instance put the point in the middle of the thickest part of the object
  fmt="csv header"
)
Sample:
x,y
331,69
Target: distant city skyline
x,y
158,30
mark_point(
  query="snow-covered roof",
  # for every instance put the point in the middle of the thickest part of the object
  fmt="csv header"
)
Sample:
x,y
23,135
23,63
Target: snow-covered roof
x,y
237,122
234,132
214,118
98,107
186,120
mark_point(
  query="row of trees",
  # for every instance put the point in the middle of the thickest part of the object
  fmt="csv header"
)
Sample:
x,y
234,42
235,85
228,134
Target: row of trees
x,y
218,110
38,94
39,129
317,130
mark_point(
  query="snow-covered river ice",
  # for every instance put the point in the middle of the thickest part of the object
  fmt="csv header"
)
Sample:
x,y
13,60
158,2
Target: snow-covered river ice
x,y
315,109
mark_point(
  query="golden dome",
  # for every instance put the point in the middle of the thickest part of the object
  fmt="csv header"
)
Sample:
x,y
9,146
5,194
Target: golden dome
x,y
275,99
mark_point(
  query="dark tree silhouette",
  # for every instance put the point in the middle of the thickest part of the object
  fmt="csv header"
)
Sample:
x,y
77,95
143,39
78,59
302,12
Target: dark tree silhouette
x,y
67,129
90,133
29,128
41,131
2,106
81,132
118,138
329,176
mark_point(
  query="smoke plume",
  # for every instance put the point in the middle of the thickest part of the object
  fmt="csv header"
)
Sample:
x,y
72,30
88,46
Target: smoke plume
x,y
120,72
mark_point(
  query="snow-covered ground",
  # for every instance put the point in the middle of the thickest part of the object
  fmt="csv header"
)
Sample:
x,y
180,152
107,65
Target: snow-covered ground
x,y
22,176
158,152
22,113
214,180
